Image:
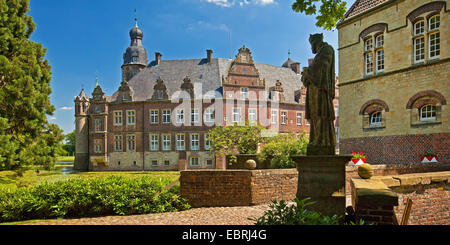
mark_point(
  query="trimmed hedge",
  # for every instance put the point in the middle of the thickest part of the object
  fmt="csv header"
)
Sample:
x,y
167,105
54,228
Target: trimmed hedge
x,y
113,195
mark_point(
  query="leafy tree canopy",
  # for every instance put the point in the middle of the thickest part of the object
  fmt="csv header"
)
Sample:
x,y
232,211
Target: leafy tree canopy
x,y
329,13
26,137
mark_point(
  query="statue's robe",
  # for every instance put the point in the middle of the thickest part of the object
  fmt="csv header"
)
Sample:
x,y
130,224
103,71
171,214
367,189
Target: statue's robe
x,y
320,78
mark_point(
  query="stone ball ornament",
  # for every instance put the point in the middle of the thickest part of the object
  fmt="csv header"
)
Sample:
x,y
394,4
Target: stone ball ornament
x,y
250,164
365,171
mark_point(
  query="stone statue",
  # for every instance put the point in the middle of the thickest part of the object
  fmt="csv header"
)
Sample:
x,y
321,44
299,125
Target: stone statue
x,y
319,79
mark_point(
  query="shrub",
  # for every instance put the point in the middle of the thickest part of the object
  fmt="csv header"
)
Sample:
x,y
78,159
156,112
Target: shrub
x,y
280,213
112,195
280,149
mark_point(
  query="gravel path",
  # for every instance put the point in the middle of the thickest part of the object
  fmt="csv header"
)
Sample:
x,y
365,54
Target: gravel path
x,y
194,216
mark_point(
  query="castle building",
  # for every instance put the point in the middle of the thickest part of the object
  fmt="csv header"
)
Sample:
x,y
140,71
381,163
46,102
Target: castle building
x,y
160,115
394,70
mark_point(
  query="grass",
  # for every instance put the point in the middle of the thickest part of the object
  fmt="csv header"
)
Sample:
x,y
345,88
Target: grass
x,y
10,179
68,159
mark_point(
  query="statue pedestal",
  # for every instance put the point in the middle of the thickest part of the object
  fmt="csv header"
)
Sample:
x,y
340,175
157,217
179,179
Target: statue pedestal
x,y
322,178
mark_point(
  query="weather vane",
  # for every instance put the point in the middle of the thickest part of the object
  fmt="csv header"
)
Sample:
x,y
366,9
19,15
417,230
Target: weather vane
x,y
135,18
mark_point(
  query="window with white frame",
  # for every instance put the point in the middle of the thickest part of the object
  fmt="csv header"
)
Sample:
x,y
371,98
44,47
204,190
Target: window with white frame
x,y
379,52
166,142
274,116
97,145
117,118
180,116
180,142
209,162
434,47
379,41
209,115
131,143
252,115
131,117
194,116
426,39
369,63
236,115
166,162
375,118
118,143
154,117
284,118
154,142
336,110
195,142
427,113
368,44
299,118
244,93
154,163
166,116
207,142
98,125
194,161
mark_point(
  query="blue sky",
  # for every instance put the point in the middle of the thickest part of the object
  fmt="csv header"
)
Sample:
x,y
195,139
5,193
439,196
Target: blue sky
x,y
84,38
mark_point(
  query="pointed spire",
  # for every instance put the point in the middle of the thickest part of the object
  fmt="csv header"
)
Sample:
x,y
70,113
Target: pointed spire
x,y
289,53
135,18
96,80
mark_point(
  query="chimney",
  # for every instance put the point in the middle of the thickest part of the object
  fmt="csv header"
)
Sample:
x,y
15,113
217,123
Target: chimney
x,y
158,58
296,67
209,55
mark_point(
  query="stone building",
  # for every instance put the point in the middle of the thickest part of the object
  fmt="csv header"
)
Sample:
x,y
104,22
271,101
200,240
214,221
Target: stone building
x,y
160,115
394,80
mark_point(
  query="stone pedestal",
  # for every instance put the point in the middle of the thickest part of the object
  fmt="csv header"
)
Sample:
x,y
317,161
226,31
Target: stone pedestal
x,y
322,178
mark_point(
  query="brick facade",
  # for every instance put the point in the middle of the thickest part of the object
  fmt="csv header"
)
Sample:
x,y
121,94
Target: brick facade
x,y
217,188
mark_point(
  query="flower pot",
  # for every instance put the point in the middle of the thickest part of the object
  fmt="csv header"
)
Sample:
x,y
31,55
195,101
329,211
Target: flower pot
x,y
428,159
357,161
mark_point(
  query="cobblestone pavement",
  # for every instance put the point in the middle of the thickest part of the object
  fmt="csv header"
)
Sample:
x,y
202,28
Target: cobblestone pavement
x,y
194,216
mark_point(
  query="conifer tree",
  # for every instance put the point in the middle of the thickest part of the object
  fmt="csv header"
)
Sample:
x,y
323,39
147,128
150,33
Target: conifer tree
x,y
26,137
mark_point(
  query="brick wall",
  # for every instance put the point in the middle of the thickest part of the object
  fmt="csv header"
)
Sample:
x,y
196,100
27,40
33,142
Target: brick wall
x,y
405,149
215,188
382,199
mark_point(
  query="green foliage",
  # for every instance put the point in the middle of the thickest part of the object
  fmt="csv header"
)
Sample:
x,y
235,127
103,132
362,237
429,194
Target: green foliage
x,y
280,213
112,195
330,11
231,140
26,137
280,149
69,145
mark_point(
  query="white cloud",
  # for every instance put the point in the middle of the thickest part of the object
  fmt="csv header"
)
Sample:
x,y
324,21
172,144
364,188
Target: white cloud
x,y
52,118
242,3
201,25
66,108
222,3
263,2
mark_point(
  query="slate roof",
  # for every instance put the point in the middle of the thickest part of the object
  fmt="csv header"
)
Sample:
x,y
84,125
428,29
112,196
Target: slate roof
x,y
361,6
209,75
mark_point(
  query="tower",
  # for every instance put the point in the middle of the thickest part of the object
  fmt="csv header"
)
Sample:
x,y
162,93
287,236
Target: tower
x,y
81,131
135,57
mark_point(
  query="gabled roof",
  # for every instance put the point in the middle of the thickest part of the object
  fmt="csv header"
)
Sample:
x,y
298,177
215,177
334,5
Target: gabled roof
x,y
209,75
361,6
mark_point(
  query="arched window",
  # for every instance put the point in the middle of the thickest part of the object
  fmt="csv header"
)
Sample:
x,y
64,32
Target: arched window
x,y
428,113
375,118
426,37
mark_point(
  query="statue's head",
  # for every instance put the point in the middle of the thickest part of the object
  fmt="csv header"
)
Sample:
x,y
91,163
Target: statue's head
x,y
316,40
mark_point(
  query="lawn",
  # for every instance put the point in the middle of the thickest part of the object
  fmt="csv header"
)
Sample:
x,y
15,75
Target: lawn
x,y
11,179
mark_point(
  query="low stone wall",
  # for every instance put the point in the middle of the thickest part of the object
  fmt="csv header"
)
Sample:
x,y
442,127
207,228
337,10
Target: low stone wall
x,y
218,188
395,169
382,199
242,158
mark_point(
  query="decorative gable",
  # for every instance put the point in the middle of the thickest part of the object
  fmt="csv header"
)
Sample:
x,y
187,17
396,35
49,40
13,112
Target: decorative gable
x,y
242,71
125,92
98,95
188,87
160,91
276,93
